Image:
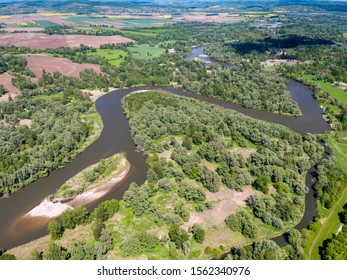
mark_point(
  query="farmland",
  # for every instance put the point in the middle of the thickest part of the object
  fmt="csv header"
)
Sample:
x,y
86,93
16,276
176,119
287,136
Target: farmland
x,y
6,81
44,41
39,63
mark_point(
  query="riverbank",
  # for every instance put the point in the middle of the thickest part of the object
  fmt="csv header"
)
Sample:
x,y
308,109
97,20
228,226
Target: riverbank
x,y
115,138
78,191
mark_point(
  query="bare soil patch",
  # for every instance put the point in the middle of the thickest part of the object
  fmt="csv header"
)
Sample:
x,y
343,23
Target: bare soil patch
x,y
6,81
95,94
45,41
38,63
26,122
341,85
246,153
225,202
23,29
276,62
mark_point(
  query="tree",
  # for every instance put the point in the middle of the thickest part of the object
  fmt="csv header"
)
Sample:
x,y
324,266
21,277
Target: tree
x,y
55,230
198,233
335,248
259,250
82,251
97,228
131,246
262,184
74,217
136,197
55,252
178,236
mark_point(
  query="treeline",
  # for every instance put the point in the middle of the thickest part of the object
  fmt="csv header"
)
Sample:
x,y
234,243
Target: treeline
x,y
95,249
13,63
335,248
322,62
29,151
269,250
246,84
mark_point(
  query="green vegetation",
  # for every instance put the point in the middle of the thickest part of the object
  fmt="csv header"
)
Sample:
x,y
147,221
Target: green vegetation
x,y
45,23
334,248
145,51
5,256
195,151
331,192
55,230
333,91
31,152
93,176
114,57
74,217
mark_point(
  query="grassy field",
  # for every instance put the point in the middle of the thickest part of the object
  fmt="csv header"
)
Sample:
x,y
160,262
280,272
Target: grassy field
x,y
133,22
122,22
329,225
46,23
340,150
114,57
333,91
330,222
145,51
84,20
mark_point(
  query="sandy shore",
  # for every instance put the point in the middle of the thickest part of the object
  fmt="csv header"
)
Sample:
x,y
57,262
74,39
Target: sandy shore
x,y
55,208
49,209
95,94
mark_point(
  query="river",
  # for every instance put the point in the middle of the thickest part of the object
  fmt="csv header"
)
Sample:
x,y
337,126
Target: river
x,y
17,229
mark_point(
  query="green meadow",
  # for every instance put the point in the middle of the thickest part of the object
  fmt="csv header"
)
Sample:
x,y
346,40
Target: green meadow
x,y
114,57
145,51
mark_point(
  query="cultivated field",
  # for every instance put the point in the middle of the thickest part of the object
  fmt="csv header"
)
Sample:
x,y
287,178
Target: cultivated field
x,y
22,29
45,41
219,18
6,81
38,63
19,19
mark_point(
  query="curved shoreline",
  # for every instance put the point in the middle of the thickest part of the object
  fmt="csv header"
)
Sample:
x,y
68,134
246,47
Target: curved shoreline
x,y
114,138
54,208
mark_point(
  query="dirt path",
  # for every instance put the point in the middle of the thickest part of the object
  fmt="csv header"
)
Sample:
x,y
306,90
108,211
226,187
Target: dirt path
x,y
333,212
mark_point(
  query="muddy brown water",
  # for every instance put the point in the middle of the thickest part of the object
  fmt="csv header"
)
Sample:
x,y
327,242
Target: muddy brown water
x,y
17,229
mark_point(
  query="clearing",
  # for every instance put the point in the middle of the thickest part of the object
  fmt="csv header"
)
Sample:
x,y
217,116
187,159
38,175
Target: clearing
x,y
114,57
145,51
225,202
6,81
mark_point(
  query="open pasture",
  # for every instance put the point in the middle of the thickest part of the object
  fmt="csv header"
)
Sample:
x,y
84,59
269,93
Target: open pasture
x,y
145,51
114,57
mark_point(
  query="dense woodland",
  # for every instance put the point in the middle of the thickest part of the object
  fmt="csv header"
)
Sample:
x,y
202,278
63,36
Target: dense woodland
x,y
30,151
